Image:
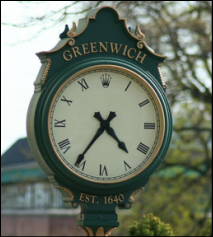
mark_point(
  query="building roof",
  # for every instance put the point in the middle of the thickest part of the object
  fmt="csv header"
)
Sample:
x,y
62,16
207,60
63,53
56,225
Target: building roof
x,y
19,165
18,153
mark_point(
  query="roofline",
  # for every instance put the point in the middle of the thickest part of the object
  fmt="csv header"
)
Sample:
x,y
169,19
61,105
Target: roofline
x,y
32,164
37,212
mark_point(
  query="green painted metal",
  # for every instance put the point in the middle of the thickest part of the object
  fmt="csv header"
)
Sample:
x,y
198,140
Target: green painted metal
x,y
45,146
102,38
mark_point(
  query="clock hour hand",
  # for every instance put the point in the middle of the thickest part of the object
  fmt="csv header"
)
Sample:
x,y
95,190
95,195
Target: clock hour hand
x,y
98,116
97,135
121,144
106,125
111,116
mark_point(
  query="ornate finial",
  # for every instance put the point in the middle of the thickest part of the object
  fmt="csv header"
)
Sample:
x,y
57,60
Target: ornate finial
x,y
63,35
139,34
71,33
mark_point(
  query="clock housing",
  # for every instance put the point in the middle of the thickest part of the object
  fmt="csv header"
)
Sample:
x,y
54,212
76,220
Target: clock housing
x,y
102,41
139,116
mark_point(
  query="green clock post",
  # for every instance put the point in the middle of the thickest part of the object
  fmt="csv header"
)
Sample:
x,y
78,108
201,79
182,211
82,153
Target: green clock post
x,y
99,122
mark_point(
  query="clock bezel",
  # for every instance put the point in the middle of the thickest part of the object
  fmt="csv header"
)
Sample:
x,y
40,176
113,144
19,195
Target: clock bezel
x,y
67,178
137,78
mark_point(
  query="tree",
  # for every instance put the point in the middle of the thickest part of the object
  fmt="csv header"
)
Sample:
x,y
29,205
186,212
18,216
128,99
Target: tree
x,y
179,192
150,226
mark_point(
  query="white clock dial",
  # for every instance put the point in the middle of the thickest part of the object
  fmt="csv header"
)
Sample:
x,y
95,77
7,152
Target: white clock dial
x,y
129,136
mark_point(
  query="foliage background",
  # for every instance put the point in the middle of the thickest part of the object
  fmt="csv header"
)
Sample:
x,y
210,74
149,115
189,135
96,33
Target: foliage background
x,y
180,191
150,226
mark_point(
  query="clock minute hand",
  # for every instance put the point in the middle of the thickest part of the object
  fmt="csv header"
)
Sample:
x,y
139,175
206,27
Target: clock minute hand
x,y
103,122
111,116
106,125
97,135
121,144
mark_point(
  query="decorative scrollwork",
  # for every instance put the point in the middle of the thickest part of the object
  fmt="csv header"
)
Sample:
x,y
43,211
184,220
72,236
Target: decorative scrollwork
x,y
161,76
108,233
100,231
132,197
69,193
71,42
72,33
140,36
85,232
44,76
140,44
89,231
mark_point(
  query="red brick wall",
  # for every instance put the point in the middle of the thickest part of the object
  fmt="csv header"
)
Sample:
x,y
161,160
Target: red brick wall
x,y
39,226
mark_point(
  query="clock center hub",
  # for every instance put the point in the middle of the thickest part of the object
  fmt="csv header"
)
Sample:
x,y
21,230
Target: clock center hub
x,y
105,124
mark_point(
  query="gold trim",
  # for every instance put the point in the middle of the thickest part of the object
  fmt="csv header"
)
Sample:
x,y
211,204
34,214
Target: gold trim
x,y
140,44
109,232
75,205
39,54
150,89
132,197
152,52
69,193
128,205
140,36
72,33
71,42
83,229
89,230
100,232
161,76
44,76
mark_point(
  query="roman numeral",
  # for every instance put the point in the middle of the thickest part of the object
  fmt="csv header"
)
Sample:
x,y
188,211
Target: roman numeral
x,y
60,124
143,148
83,84
82,165
65,100
144,103
128,86
103,171
149,125
64,145
127,166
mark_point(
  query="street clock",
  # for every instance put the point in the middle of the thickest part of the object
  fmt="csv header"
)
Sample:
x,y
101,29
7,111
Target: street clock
x,y
99,122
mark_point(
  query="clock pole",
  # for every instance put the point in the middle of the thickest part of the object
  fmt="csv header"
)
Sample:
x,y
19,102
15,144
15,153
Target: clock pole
x,y
98,223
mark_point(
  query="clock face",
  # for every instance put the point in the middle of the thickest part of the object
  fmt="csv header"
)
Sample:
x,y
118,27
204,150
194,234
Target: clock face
x,y
106,124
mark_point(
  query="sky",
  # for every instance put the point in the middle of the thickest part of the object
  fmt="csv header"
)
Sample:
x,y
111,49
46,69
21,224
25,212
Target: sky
x,y
20,66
